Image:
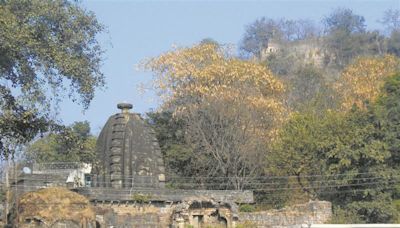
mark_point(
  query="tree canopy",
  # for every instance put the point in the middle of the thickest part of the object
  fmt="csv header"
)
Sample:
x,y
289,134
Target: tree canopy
x,y
343,19
265,30
349,158
391,19
362,81
48,50
71,144
231,108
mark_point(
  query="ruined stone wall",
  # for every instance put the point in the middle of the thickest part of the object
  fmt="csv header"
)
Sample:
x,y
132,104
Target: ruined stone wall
x,y
133,215
313,212
208,214
145,212
152,215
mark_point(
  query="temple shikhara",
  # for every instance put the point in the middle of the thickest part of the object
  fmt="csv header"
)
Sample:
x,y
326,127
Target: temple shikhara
x,y
128,153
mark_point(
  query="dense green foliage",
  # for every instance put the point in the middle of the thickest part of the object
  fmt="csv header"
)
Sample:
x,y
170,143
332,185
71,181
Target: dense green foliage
x,y
48,50
349,158
347,38
177,154
71,144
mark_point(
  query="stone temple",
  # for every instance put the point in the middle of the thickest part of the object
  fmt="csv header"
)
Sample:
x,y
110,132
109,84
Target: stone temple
x,y
126,187
128,153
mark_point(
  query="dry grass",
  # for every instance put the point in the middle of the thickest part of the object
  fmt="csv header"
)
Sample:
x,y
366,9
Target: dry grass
x,y
54,204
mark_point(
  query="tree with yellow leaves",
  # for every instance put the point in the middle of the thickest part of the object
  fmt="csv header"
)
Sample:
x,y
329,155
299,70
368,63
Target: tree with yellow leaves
x,y
231,107
362,80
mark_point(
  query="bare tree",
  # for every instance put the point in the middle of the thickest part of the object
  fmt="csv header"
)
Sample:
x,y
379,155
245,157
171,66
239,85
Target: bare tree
x,y
391,20
229,140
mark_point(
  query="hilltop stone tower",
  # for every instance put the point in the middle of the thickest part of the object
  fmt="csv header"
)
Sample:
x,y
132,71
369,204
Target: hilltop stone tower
x,y
128,153
272,47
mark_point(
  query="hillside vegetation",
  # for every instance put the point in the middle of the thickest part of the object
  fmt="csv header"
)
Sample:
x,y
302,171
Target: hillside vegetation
x,y
306,111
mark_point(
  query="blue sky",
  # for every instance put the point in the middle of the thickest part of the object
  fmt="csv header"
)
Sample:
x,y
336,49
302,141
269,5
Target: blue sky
x,y
140,29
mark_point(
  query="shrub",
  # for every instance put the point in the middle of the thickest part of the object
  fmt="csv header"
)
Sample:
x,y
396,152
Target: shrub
x,y
141,198
247,208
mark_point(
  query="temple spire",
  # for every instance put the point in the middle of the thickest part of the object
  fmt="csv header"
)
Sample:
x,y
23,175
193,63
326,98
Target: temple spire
x,y
125,107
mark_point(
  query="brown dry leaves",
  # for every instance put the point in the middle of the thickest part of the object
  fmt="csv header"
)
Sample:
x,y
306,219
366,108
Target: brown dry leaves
x,y
206,72
363,79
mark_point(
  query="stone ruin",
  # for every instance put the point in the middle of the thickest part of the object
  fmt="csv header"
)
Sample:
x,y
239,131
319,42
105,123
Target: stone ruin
x,y
126,188
127,185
